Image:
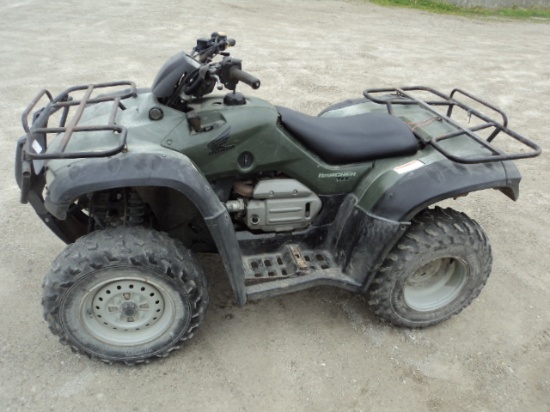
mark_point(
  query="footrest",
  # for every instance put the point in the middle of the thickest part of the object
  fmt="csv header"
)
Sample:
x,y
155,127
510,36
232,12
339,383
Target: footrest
x,y
291,261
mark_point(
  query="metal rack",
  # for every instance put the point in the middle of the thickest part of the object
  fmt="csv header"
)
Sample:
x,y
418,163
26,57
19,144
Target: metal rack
x,y
403,96
38,131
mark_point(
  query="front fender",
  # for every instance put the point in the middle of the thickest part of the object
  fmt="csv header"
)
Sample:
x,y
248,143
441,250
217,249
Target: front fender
x,y
130,170
145,169
401,197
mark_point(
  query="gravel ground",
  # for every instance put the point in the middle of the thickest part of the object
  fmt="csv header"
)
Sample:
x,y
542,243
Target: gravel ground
x,y
321,349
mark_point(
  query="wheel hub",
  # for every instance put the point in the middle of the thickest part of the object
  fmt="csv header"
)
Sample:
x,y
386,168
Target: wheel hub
x,y
129,309
127,305
426,273
435,284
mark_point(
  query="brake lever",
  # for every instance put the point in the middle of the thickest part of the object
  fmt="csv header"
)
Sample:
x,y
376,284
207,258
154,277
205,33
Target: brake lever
x,y
219,84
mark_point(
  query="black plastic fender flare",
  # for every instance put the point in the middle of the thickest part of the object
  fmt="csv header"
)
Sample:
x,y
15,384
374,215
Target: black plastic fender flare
x,y
443,180
129,170
146,169
376,231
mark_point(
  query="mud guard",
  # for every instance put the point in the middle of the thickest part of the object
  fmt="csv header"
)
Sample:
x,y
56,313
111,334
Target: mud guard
x,y
366,242
442,180
142,169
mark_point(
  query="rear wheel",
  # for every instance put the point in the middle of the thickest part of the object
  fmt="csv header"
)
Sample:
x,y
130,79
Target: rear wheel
x,y
125,295
436,269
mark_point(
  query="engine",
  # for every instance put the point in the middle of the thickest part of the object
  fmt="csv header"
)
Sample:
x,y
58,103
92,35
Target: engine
x,y
276,205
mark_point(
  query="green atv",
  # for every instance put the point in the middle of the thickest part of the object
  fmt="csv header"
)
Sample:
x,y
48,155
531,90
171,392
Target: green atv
x,y
137,180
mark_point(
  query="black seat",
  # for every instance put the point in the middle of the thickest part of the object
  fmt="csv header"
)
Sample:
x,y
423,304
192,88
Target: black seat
x,y
351,139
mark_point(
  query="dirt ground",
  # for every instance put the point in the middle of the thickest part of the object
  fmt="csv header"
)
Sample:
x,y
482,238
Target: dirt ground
x,y
321,349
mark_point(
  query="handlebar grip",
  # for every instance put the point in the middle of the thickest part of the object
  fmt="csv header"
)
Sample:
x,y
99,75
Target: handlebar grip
x,y
240,75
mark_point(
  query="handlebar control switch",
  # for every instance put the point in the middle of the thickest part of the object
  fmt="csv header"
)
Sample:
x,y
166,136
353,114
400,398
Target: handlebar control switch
x,y
202,44
225,72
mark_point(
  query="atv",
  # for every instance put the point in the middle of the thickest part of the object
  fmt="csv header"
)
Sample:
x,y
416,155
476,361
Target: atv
x,y
136,181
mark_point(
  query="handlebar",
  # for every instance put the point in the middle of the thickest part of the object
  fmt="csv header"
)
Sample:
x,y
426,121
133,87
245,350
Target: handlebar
x,y
228,72
206,49
240,75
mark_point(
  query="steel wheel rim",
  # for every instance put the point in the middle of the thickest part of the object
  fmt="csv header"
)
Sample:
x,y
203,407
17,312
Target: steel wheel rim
x,y
128,311
436,284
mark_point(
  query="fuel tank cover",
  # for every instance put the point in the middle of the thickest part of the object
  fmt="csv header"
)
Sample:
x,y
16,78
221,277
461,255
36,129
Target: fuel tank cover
x,y
234,99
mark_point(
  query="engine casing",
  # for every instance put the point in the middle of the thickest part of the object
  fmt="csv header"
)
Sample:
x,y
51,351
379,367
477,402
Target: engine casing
x,y
279,205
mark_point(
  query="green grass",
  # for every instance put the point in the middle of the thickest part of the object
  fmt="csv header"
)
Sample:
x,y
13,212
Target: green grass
x,y
445,8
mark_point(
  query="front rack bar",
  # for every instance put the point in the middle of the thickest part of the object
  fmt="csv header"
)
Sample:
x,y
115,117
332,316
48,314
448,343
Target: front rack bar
x,y
404,98
64,101
69,131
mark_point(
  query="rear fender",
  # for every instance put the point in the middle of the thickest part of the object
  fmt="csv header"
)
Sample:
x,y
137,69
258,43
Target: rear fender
x,y
382,215
143,169
400,196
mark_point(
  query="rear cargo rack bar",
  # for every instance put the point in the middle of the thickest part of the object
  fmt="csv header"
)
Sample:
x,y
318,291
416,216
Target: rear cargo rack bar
x,y
399,96
39,130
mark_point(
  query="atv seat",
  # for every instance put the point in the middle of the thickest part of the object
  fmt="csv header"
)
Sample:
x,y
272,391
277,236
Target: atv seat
x,y
351,139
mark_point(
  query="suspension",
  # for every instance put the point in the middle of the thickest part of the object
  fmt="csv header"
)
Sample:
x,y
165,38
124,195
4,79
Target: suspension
x,y
116,207
135,209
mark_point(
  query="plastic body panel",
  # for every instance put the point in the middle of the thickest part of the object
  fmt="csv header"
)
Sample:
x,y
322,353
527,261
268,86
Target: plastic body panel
x,y
254,129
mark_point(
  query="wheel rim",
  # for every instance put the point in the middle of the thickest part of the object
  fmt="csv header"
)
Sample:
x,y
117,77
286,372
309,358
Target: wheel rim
x,y
128,311
436,284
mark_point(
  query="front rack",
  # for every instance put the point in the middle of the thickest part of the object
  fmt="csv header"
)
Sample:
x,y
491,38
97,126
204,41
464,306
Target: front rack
x,y
402,96
37,133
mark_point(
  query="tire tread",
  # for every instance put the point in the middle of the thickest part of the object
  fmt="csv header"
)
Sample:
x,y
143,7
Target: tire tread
x,y
132,246
429,226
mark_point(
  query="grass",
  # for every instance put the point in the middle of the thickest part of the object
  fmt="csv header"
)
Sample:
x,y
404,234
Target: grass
x,y
435,6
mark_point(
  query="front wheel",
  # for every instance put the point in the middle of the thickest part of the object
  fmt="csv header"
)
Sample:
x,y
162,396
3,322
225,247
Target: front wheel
x,y
436,269
125,295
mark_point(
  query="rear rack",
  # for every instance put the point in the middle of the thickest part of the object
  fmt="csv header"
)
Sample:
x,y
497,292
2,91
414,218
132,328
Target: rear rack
x,y
400,96
37,133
